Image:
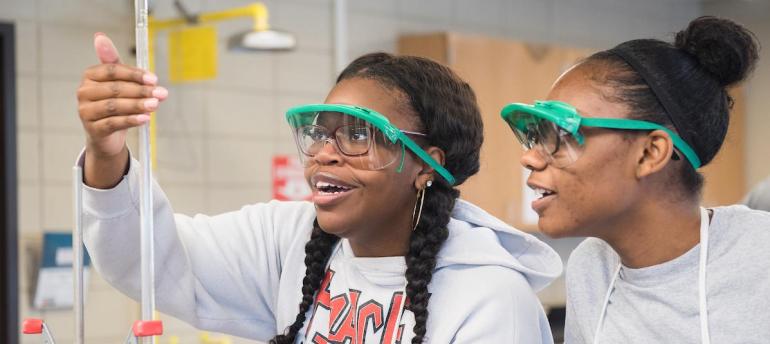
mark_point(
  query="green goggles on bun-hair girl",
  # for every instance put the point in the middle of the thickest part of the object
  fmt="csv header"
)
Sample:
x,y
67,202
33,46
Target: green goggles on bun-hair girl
x,y
552,128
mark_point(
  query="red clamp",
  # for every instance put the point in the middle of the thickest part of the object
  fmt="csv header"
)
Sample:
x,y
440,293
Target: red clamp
x,y
32,326
148,328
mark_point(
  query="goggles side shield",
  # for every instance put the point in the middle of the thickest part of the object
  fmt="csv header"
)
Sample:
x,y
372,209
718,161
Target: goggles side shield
x,y
365,137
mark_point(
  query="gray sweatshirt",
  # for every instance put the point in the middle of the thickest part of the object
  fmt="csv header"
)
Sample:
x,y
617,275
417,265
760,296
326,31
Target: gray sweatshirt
x,y
659,304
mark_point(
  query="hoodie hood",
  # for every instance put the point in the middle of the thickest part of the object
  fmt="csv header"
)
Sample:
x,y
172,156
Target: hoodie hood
x,y
478,238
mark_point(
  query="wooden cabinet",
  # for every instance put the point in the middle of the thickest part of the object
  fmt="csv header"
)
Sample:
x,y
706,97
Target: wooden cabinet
x,y
502,71
726,175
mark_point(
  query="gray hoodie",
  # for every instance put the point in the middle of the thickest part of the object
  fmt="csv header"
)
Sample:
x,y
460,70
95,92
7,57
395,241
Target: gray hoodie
x,y
241,273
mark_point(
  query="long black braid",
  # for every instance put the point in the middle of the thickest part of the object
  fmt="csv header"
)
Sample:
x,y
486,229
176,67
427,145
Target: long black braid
x,y
424,245
448,113
317,252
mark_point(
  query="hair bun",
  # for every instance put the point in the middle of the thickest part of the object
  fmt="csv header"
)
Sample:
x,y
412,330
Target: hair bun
x,y
724,48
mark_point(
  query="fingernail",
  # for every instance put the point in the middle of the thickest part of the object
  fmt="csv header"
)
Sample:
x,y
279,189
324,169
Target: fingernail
x,y
151,104
143,118
160,92
149,78
98,34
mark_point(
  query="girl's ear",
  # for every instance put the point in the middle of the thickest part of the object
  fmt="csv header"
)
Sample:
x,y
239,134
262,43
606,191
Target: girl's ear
x,y
657,149
426,173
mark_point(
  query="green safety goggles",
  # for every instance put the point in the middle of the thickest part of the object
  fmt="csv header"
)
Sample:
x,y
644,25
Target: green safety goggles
x,y
365,137
552,128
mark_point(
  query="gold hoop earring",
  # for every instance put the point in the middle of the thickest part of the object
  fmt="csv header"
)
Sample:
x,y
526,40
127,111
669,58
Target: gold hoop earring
x,y
421,196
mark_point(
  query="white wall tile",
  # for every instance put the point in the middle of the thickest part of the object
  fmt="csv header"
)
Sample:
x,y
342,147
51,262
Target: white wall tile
x,y
374,32
587,26
311,25
67,50
381,46
656,26
385,8
183,111
230,198
108,313
57,207
682,12
59,153
304,72
530,20
27,100
480,15
186,199
643,8
28,155
434,10
29,208
180,159
286,147
94,13
59,108
243,114
96,282
411,26
238,161
27,40
252,70
17,9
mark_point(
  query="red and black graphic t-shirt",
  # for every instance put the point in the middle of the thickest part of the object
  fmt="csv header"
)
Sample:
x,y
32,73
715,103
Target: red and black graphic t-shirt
x,y
360,300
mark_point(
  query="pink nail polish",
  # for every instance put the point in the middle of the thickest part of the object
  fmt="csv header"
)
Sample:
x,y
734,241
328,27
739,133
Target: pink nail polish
x,y
150,78
160,92
150,104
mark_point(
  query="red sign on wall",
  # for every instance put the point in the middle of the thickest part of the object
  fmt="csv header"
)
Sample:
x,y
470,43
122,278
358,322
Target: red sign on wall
x,y
289,182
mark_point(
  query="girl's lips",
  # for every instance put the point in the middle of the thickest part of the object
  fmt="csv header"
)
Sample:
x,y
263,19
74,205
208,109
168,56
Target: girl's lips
x,y
326,177
545,196
540,204
329,189
325,199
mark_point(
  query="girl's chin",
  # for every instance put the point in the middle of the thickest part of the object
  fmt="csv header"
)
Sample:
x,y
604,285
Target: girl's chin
x,y
555,230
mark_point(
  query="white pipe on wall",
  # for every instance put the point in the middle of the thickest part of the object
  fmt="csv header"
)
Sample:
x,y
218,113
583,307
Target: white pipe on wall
x,y
340,35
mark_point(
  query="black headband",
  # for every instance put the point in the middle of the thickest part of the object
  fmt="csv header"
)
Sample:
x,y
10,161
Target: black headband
x,y
671,107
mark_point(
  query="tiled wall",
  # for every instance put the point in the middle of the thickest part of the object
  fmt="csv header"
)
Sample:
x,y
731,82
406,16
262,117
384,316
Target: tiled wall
x,y
216,138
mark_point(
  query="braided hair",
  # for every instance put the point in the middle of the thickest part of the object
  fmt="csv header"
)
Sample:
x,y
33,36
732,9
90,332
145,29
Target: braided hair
x,y
317,251
445,109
